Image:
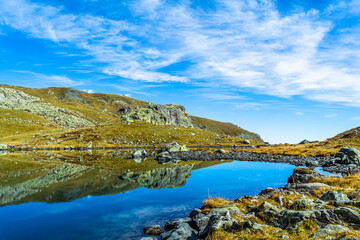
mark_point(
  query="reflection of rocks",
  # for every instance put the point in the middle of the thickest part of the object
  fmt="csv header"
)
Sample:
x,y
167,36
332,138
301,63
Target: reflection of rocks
x,y
16,192
69,182
160,177
139,155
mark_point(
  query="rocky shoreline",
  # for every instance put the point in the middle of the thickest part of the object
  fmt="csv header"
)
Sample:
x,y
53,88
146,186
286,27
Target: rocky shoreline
x,y
346,161
277,212
306,207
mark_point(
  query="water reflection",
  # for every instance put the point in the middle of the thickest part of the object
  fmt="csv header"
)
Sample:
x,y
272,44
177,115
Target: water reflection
x,y
56,182
130,195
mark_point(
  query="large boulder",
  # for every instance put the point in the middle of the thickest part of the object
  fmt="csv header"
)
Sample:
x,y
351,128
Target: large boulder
x,y
174,147
303,204
303,175
182,231
348,155
330,229
176,222
334,196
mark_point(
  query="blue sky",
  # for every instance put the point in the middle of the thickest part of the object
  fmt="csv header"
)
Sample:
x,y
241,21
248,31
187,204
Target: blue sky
x,y
288,70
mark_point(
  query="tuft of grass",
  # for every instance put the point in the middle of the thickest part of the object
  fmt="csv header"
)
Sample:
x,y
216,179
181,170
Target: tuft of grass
x,y
214,203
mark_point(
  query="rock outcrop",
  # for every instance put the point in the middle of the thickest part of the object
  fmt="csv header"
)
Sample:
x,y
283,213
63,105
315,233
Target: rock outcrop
x,y
171,114
19,100
348,155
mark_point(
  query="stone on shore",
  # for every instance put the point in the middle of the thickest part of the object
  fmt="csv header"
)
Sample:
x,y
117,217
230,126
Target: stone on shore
x,y
153,230
174,147
348,155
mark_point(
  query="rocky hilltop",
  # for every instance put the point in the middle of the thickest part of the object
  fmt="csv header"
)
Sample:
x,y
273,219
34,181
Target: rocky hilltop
x,y
26,112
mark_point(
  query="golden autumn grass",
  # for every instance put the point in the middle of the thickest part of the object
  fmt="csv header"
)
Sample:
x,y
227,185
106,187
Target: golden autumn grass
x,y
19,128
329,147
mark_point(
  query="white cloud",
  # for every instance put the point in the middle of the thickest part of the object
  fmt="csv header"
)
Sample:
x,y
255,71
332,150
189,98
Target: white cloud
x,y
357,118
58,80
299,113
242,44
88,90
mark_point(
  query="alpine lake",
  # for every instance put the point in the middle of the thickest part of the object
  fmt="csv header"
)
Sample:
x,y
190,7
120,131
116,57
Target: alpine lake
x,y
104,195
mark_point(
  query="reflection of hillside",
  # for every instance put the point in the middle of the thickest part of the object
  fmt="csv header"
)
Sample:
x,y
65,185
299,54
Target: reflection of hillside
x,y
69,182
161,177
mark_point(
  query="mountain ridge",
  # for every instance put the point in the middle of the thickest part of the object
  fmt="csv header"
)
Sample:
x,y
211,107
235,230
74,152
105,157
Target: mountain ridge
x,y
27,111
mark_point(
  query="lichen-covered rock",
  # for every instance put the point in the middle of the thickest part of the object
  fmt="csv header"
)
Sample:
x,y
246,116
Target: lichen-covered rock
x,y
334,196
153,230
183,232
348,155
174,147
303,175
19,100
176,222
302,204
160,115
231,208
330,229
252,225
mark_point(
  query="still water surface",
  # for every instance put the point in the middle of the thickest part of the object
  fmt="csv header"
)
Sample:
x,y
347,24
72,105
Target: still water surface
x,y
123,215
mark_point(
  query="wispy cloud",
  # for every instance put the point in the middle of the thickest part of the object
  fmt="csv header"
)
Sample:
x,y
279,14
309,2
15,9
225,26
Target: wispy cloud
x,y
50,79
251,106
241,44
299,113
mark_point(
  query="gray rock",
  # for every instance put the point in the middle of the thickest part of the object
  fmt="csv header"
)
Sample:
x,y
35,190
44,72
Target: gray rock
x,y
147,238
284,237
348,155
231,208
181,232
153,230
303,175
331,229
222,151
280,200
245,141
348,215
218,221
334,196
302,204
307,187
252,225
160,114
176,222
291,219
304,141
174,147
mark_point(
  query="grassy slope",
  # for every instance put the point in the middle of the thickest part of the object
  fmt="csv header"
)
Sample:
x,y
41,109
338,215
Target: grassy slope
x,y
331,146
22,128
224,128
